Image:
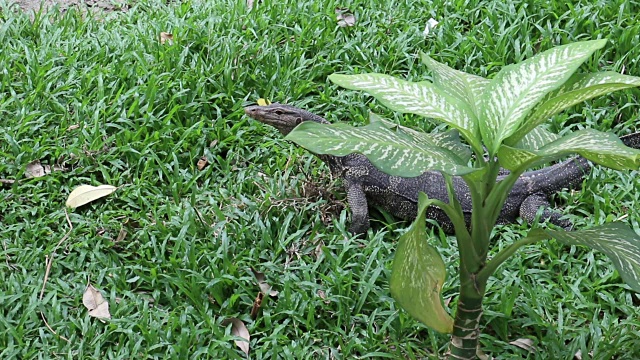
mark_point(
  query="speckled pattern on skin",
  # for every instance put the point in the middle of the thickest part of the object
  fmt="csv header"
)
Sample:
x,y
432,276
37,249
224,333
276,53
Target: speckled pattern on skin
x,y
366,185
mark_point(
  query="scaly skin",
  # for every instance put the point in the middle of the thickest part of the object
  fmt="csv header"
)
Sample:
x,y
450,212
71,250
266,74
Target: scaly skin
x,y
366,185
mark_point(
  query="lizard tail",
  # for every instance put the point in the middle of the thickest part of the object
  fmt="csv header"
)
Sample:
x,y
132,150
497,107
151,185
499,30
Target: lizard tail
x,y
632,140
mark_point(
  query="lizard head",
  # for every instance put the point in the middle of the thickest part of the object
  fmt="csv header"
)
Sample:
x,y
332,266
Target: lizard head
x,y
282,117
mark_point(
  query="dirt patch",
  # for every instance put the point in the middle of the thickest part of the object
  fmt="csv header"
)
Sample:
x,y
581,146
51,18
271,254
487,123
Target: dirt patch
x,y
92,5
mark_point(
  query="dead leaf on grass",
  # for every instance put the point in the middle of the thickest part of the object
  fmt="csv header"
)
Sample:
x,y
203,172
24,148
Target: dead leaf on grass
x,y
121,235
323,296
85,194
345,17
202,163
263,102
167,38
73,127
265,288
318,250
523,343
98,307
249,4
35,169
431,23
238,329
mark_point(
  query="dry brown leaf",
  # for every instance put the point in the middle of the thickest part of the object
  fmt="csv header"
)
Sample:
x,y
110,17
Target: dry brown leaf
x,y
318,250
121,235
257,303
35,169
85,194
345,17
202,163
167,38
238,329
523,343
73,127
323,296
95,303
262,282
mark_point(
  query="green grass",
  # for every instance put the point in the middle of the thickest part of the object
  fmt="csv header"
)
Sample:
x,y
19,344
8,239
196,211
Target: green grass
x,y
146,114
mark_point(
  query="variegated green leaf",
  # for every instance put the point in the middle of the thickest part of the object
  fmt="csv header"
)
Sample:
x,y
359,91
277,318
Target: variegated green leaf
x,y
392,152
464,86
448,140
537,138
579,88
418,274
516,89
616,240
602,148
421,98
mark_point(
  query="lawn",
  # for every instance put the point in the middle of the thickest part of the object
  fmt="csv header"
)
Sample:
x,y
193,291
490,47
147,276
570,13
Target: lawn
x,y
172,249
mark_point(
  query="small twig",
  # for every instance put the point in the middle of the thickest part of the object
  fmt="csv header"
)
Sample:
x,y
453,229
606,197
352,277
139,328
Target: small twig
x,y
49,260
200,217
50,329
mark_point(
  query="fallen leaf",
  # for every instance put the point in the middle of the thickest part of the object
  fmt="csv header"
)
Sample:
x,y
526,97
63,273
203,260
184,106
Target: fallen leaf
x,y
85,194
166,38
523,343
257,303
431,23
249,4
73,127
263,102
345,17
95,303
482,356
7,181
238,329
318,250
121,235
323,296
202,163
35,169
265,288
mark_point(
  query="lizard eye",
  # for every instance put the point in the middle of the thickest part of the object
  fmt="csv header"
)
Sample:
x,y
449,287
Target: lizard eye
x,y
279,112
298,121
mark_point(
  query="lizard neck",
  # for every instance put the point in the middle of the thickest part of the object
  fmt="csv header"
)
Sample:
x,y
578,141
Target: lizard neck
x,y
333,162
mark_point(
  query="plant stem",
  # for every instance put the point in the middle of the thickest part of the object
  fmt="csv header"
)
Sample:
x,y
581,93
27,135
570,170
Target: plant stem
x,y
466,326
504,254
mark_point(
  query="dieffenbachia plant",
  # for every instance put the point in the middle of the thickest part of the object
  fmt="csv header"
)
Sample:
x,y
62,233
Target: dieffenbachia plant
x,y
502,115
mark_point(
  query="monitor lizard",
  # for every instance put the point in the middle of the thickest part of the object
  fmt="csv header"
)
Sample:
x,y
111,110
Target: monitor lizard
x,y
366,185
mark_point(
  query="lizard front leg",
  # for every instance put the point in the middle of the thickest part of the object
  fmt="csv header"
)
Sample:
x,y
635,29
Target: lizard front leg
x,y
530,207
359,208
